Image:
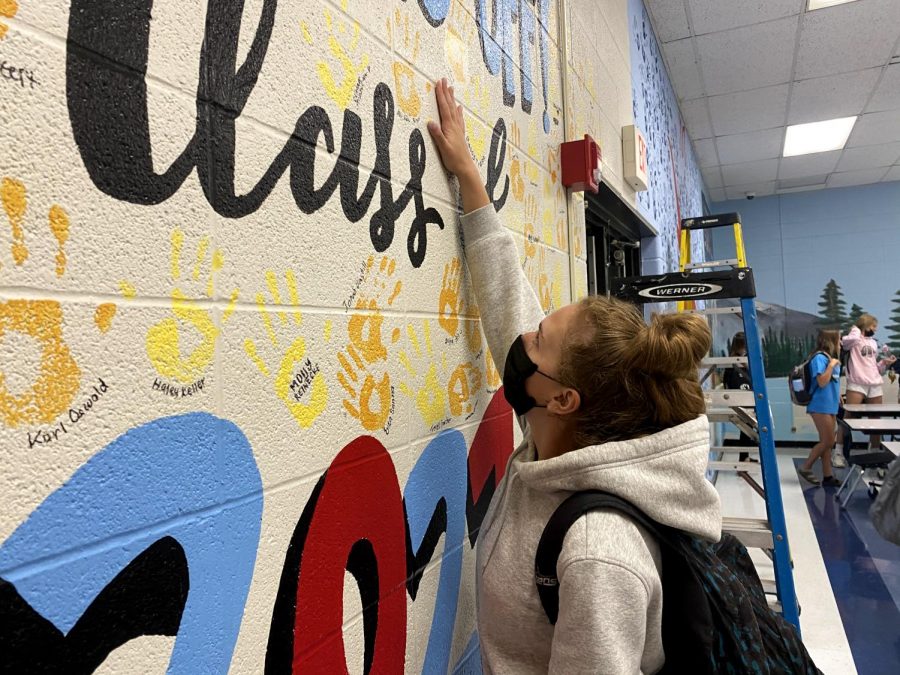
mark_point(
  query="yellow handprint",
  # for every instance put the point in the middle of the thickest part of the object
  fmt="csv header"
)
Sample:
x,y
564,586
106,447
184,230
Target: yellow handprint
x,y
165,343
12,193
366,346
8,9
465,382
59,376
517,181
41,320
547,217
473,334
544,287
408,99
298,379
460,33
449,305
340,91
364,330
494,380
431,397
359,403
477,98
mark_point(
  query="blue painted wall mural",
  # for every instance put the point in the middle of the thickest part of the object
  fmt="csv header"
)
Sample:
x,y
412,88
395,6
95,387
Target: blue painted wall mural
x,y
675,189
179,502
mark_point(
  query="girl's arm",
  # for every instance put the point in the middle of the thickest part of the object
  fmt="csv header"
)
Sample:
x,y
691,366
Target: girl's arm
x,y
851,338
602,624
506,301
885,364
823,377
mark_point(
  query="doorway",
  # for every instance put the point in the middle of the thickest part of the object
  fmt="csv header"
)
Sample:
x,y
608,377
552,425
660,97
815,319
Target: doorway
x,y
613,240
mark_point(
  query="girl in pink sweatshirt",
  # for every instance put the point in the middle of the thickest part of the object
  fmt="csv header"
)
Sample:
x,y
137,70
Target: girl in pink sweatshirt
x,y
864,371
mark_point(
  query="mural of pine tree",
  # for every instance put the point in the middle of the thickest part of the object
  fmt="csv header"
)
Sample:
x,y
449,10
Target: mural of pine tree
x,y
855,312
833,312
894,326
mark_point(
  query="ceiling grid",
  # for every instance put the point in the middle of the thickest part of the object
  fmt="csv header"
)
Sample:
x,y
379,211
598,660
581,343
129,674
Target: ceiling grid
x,y
743,70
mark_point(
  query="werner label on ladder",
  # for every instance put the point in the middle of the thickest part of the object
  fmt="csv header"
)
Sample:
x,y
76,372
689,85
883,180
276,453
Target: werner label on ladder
x,y
748,410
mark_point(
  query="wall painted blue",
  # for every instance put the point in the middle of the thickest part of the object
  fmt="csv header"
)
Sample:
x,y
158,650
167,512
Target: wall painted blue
x,y
675,190
190,477
440,474
797,242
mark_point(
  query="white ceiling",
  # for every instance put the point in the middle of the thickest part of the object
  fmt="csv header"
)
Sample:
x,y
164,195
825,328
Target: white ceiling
x,y
745,69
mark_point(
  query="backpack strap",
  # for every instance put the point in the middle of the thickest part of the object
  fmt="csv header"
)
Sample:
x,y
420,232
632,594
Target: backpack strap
x,y
551,542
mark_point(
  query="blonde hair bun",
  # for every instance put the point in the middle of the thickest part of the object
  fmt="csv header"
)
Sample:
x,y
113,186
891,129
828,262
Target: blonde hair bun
x,y
673,345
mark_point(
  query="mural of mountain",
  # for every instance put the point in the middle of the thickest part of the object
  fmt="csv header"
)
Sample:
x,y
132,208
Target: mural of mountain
x,y
788,334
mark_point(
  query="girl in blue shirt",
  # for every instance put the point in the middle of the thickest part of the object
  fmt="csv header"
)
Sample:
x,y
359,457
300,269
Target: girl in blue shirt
x,y
825,389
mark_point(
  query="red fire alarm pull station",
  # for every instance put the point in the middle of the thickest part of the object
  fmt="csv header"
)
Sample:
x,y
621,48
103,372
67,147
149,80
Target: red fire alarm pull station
x,y
581,164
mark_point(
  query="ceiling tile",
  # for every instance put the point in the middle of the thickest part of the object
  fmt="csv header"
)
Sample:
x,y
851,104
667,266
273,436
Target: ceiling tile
x,y
712,178
706,152
708,16
755,145
696,119
749,110
669,19
869,157
887,94
825,98
762,189
863,177
717,195
875,128
748,58
808,165
683,68
892,174
750,172
847,37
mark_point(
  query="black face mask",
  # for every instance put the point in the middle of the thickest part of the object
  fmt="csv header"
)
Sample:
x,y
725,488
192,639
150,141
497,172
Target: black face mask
x,y
869,333
519,367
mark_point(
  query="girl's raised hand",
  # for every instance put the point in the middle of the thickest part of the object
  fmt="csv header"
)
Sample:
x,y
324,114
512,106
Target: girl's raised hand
x,y
450,134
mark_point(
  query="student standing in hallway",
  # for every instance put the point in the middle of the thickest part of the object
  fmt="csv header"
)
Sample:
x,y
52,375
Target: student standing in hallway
x,y
825,390
605,402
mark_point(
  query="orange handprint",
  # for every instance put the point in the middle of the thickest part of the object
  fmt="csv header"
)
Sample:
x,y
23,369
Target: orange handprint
x,y
362,395
448,301
465,381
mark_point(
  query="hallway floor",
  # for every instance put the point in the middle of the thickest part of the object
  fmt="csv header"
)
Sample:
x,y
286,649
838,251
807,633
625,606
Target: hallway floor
x,y
847,577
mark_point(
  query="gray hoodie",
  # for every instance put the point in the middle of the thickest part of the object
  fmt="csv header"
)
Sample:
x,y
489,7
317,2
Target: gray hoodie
x,y
610,594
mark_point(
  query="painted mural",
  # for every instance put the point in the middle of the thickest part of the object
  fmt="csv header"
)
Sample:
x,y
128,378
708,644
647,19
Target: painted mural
x,y
675,184
814,272
248,417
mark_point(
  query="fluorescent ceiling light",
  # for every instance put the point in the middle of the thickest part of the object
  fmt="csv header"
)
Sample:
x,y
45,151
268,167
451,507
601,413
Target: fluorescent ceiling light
x,y
804,139
820,4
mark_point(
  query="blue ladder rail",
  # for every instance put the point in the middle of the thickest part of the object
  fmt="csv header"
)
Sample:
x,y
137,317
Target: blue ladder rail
x,y
784,577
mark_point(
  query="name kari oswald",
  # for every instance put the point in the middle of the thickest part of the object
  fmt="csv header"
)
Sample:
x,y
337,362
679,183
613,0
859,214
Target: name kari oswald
x,y
76,415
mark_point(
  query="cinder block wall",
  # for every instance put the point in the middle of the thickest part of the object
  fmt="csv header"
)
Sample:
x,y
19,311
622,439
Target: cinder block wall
x,y
247,416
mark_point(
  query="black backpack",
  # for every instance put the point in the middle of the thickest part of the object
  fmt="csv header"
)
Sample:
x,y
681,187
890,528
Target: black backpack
x,y
845,360
800,381
716,618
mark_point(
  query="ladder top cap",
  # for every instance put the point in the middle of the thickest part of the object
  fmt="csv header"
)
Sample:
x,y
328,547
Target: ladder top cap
x,y
717,220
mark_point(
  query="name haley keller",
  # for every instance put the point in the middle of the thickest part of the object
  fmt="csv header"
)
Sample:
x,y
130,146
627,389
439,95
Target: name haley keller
x,y
76,414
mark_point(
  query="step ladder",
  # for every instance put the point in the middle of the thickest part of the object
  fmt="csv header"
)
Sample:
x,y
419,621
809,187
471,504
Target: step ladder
x,y
748,410
685,264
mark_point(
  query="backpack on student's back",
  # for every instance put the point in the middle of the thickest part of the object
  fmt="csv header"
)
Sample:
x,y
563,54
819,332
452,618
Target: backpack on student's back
x,y
716,618
845,360
800,381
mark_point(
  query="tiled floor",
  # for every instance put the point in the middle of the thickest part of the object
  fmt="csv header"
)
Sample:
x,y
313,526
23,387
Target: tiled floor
x,y
864,571
821,611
